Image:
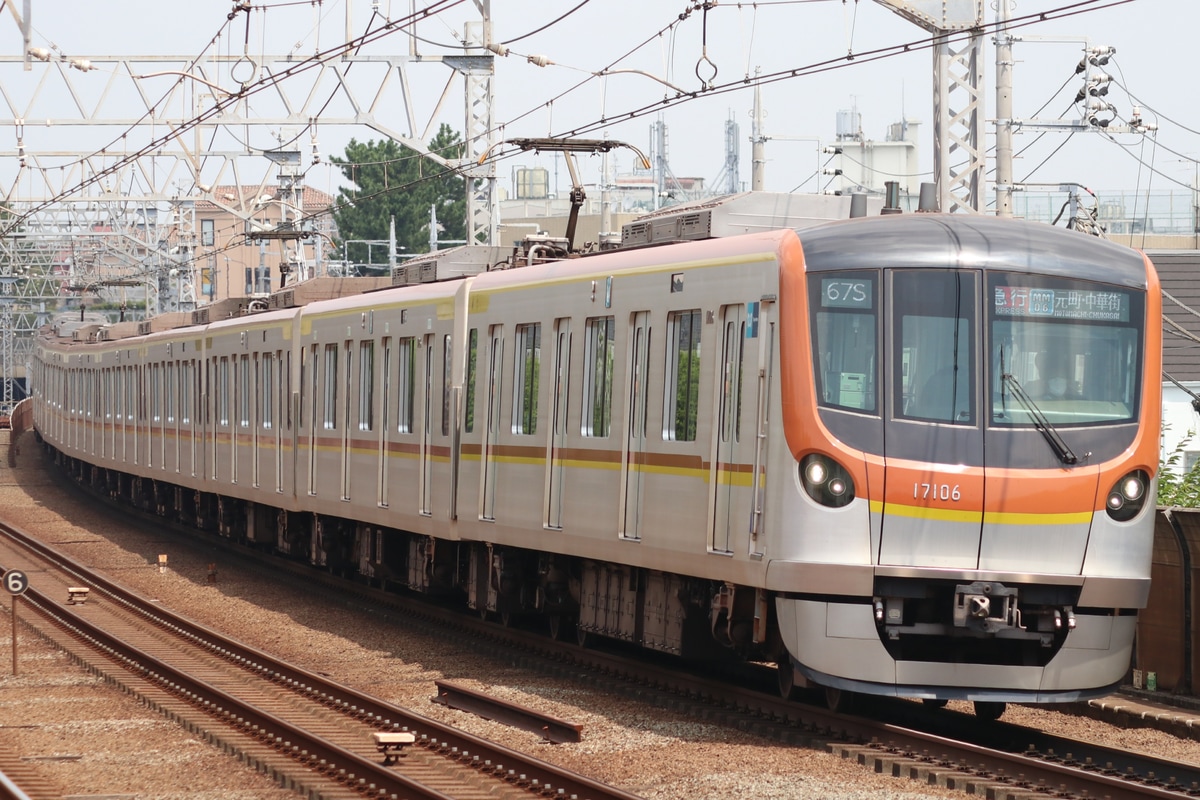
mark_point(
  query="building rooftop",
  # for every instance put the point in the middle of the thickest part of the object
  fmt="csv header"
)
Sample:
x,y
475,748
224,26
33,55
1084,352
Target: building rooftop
x,y
1178,270
312,199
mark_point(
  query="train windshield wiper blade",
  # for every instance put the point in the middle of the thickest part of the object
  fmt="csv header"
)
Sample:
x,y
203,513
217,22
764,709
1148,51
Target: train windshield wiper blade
x,y
1061,449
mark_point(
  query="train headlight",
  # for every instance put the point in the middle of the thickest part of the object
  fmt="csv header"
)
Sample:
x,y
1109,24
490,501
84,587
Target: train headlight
x,y
1128,496
826,481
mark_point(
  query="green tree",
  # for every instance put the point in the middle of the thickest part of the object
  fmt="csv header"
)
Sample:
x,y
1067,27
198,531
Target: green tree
x,y
1174,488
391,180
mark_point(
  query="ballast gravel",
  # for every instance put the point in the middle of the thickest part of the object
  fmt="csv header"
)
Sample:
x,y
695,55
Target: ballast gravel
x,y
91,740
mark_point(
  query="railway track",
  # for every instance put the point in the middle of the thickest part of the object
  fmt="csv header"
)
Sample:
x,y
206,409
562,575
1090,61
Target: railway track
x,y
902,739
317,736
898,738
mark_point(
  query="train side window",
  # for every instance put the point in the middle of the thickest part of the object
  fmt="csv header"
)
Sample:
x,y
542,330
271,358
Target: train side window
x,y
385,385
447,357
330,396
185,392
472,356
599,350
525,384
366,386
348,380
156,392
303,386
245,390
285,378
733,353
135,401
172,390
266,391
406,373
223,391
680,406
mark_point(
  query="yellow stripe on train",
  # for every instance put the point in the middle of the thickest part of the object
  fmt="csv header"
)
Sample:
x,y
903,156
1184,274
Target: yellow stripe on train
x,y
990,517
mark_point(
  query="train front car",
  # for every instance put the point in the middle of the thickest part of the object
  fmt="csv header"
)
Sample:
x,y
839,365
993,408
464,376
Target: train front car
x,y
973,409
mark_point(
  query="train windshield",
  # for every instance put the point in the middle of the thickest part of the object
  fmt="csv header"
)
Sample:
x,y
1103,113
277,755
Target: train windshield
x,y
844,339
1073,347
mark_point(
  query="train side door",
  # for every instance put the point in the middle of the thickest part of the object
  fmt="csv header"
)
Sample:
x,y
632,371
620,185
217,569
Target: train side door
x,y
633,452
729,456
491,431
558,432
933,437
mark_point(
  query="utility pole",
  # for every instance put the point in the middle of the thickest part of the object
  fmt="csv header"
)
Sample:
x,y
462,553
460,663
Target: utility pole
x,y
1004,109
758,144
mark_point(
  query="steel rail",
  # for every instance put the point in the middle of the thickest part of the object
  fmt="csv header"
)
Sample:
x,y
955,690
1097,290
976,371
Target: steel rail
x,y
487,757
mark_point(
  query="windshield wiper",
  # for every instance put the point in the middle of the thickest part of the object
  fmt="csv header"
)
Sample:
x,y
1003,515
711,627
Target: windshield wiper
x,y
1061,449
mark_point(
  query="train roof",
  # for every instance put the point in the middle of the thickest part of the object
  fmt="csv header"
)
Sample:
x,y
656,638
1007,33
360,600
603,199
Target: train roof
x,y
971,242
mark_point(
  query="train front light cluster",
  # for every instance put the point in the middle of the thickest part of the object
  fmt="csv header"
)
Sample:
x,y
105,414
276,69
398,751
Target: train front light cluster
x,y
1128,496
826,481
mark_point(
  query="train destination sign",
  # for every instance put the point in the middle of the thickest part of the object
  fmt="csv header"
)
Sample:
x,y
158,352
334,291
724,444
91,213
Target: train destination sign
x,y
845,293
1084,304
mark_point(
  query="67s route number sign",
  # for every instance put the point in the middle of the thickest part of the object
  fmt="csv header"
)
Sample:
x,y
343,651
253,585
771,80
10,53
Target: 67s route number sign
x,y
15,581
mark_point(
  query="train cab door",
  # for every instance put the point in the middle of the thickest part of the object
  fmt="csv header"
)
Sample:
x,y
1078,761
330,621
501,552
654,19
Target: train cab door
x,y
933,429
558,429
731,509
634,450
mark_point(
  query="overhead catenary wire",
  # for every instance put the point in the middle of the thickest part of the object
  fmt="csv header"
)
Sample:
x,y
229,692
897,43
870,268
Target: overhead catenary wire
x,y
218,107
818,67
812,69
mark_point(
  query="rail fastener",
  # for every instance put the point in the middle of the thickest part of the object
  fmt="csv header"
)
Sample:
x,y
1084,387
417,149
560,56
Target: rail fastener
x,y
551,729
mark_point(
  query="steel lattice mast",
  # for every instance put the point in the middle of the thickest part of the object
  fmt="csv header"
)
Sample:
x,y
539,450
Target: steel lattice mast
x,y
109,154
958,89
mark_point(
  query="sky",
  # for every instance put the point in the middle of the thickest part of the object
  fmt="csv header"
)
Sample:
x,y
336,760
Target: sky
x,y
546,84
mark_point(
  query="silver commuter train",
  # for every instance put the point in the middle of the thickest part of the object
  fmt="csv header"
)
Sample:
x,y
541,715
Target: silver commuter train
x,y
856,477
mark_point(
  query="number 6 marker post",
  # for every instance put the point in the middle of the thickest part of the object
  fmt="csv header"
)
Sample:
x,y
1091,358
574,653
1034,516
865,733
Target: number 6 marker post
x,y
16,583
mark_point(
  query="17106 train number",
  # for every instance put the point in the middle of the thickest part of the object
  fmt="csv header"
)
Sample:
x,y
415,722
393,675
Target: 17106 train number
x,y
936,491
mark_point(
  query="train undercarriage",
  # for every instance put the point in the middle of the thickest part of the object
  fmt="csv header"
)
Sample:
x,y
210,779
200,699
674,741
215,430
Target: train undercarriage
x,y
669,613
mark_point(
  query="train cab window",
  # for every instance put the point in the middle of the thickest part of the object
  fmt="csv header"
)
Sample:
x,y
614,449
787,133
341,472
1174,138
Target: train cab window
x,y
525,383
933,345
680,407
599,351
1071,348
406,372
844,313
